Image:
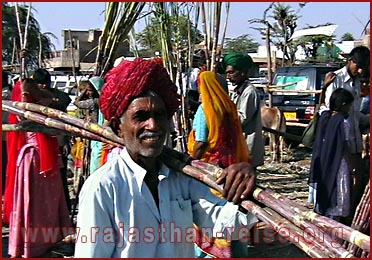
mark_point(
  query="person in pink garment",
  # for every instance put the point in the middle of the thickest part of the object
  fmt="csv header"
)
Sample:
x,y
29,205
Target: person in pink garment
x,y
39,217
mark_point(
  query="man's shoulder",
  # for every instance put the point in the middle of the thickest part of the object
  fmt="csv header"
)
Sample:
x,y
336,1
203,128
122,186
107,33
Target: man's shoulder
x,y
106,175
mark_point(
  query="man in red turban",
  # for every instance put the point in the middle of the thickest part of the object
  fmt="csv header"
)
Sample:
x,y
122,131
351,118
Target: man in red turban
x,y
135,191
131,78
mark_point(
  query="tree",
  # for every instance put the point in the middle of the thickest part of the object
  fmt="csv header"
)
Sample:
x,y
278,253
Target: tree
x,y
283,29
149,38
243,43
11,40
347,37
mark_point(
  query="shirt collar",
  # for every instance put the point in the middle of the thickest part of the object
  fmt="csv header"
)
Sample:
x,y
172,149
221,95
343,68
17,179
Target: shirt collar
x,y
138,172
241,88
347,77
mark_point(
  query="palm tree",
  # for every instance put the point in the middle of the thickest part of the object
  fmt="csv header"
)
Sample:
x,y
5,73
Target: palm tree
x,y
284,27
35,38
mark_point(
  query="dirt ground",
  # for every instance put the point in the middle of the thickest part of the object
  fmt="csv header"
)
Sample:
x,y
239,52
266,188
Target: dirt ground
x,y
288,178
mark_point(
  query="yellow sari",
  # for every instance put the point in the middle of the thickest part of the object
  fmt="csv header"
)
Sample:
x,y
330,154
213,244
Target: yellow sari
x,y
226,144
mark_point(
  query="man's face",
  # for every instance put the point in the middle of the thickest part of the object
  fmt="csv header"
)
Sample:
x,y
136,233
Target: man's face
x,y
144,126
354,69
234,76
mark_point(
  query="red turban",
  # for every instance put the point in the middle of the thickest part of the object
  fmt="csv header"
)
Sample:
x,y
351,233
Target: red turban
x,y
132,78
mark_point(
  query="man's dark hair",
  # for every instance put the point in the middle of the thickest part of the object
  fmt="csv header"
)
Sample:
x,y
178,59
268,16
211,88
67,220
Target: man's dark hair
x,y
42,76
360,55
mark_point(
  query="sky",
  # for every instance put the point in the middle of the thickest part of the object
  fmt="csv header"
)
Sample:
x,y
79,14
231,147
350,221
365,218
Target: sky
x,y
349,16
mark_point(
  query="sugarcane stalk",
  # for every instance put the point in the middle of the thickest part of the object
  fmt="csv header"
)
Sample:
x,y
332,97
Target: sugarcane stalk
x,y
362,209
216,31
9,127
55,113
225,27
122,25
322,237
44,120
30,126
72,49
20,40
349,234
111,11
296,236
361,219
206,34
209,173
279,224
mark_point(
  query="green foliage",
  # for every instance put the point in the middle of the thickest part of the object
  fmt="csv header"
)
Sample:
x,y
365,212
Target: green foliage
x,y
311,43
243,43
149,37
10,33
283,29
347,37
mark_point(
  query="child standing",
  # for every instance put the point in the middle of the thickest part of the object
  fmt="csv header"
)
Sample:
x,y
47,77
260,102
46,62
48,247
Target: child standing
x,y
333,170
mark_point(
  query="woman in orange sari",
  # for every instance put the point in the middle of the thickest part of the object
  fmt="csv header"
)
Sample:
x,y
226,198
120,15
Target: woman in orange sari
x,y
216,138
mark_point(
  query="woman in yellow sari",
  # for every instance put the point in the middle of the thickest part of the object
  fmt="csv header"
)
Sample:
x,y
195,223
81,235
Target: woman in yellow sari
x,y
216,138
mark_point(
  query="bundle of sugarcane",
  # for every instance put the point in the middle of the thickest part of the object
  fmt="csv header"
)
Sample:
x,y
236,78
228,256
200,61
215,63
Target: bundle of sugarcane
x,y
53,118
361,223
317,239
120,18
307,230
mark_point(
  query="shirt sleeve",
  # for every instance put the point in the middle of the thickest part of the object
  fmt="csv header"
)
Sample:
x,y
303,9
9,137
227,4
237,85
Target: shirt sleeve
x,y
247,106
87,103
200,126
95,236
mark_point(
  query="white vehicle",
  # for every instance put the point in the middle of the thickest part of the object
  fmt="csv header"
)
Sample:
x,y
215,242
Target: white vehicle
x,y
67,84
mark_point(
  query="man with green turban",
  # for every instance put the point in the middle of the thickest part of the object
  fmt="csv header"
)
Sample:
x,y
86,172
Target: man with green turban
x,y
237,67
239,61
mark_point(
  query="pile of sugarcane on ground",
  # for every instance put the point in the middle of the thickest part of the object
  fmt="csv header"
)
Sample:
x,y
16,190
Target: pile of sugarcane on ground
x,y
316,235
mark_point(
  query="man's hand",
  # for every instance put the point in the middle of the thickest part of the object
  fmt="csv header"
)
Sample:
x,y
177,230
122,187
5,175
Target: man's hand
x,y
239,182
329,78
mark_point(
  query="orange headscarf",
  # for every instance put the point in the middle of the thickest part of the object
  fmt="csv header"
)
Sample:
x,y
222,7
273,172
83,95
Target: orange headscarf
x,y
226,144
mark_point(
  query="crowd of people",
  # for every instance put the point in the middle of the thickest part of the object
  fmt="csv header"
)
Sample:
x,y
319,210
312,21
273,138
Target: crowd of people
x,y
131,204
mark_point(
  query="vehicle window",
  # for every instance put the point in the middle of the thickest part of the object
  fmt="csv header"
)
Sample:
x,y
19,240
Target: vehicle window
x,y
72,91
60,84
288,82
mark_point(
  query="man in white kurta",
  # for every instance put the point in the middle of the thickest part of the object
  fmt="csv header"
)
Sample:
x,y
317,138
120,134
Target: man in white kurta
x,y
121,218
135,206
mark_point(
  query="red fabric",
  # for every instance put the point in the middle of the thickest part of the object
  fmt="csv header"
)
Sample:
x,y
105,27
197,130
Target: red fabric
x,y
131,78
48,150
14,141
104,155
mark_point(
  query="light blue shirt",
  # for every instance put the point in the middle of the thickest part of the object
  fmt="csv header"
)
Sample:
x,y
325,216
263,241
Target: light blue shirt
x,y
200,126
118,216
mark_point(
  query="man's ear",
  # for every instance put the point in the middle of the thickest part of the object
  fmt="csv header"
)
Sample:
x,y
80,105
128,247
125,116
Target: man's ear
x,y
115,125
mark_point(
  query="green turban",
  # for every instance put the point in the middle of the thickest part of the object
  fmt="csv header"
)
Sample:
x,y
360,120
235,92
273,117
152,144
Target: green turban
x,y
240,61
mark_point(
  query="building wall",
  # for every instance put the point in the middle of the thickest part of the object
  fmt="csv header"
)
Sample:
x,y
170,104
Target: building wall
x,y
83,44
